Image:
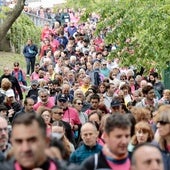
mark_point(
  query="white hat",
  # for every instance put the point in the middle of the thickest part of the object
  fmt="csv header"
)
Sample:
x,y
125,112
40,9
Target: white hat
x,y
10,93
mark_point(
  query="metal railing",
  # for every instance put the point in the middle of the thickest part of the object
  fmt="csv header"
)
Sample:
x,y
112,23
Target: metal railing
x,y
38,21
28,1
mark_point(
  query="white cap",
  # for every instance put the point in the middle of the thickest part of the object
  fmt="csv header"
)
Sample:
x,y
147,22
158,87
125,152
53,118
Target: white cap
x,y
10,93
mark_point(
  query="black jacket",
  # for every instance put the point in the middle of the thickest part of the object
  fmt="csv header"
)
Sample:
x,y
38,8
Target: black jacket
x,y
2,157
89,163
15,85
16,106
60,165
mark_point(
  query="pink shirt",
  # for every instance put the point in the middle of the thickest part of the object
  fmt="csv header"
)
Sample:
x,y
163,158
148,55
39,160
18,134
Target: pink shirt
x,y
49,104
71,116
132,88
121,166
34,76
45,33
49,130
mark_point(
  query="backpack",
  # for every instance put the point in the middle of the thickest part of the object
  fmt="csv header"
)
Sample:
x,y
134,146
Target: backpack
x,y
97,78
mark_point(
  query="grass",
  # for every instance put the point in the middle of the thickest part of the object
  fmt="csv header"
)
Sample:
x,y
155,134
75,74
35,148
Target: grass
x,y
7,59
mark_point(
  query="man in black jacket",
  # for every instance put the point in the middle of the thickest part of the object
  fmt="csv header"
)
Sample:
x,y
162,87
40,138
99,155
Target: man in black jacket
x,y
14,81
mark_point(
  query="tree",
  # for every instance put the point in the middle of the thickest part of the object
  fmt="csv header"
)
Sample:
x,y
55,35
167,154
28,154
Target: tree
x,y
10,18
139,28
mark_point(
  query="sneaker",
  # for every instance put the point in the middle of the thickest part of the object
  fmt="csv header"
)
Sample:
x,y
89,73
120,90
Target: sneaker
x,y
27,75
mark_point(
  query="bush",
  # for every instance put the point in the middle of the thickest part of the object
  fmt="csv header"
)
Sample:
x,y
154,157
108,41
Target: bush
x,y
21,30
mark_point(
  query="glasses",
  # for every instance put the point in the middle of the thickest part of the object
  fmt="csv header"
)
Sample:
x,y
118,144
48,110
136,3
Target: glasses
x,y
162,122
62,101
16,65
3,129
79,94
59,113
79,103
43,96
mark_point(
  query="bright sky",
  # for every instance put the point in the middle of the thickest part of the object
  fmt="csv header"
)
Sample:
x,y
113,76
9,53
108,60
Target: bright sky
x,y
45,3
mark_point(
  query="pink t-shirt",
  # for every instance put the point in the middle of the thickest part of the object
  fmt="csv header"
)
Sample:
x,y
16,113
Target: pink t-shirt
x,y
49,104
71,116
34,76
119,166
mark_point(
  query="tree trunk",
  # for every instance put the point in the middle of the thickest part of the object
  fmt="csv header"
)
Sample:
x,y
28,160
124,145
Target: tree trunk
x,y
5,45
10,18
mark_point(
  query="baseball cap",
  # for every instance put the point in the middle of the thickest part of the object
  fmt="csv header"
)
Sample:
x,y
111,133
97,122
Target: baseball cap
x,y
10,93
115,102
34,82
62,98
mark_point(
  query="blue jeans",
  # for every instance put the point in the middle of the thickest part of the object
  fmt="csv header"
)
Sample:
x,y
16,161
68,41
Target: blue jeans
x,y
30,62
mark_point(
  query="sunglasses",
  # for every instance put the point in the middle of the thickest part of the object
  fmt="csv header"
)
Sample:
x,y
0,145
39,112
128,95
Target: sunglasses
x,y
162,122
62,101
59,113
79,103
16,65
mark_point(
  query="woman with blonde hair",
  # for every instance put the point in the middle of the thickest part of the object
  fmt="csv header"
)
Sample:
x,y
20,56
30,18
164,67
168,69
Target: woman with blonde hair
x,y
141,114
5,85
12,105
163,125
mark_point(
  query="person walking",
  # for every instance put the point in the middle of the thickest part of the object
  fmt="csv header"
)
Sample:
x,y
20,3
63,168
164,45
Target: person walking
x,y
15,84
30,51
30,145
114,154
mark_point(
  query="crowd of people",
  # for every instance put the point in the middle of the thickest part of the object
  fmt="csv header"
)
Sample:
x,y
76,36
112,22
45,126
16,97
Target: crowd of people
x,y
81,110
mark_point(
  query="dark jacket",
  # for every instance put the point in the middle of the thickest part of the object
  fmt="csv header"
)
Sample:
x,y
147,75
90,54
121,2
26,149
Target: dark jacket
x,y
83,152
101,162
68,132
71,31
9,165
30,51
2,157
33,93
15,85
16,106
22,111
165,156
63,40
